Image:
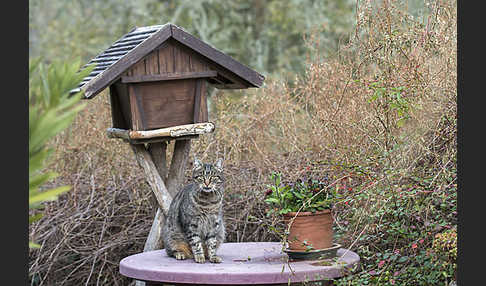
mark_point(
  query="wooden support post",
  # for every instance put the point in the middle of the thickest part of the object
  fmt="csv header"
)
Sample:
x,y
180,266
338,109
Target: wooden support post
x,y
178,165
154,239
158,154
173,182
154,163
153,177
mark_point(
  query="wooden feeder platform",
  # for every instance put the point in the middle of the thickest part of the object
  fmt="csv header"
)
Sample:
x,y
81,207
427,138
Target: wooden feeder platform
x,y
182,132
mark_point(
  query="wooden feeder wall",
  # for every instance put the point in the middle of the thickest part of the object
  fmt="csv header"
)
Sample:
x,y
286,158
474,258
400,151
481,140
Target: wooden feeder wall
x,y
166,88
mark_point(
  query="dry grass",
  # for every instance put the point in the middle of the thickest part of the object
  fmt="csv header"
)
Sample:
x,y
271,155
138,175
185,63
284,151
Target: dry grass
x,y
326,121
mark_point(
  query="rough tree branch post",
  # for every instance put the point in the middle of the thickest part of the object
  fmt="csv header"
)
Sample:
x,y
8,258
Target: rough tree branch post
x,y
157,78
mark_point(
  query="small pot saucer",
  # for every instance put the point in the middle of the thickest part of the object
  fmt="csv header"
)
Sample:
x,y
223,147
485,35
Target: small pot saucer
x,y
314,254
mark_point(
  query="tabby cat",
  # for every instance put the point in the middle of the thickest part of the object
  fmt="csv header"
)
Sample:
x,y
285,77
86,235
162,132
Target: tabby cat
x,y
194,225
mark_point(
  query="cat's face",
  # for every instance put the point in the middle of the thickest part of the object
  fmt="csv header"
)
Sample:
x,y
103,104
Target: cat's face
x,y
208,177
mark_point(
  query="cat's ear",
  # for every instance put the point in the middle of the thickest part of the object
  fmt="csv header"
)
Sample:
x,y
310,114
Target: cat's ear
x,y
197,163
219,164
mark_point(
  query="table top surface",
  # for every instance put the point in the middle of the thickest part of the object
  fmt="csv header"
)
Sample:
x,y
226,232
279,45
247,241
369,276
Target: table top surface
x,y
243,263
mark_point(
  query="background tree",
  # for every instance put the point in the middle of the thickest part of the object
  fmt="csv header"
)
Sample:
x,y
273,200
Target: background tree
x,y
266,35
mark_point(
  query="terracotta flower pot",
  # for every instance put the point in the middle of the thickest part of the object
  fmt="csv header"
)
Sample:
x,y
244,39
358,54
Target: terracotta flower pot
x,y
311,229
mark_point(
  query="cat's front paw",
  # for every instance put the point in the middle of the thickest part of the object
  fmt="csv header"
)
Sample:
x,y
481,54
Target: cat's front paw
x,y
179,256
215,259
199,258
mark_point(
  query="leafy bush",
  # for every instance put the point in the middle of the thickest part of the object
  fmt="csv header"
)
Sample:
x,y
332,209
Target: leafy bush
x,y
396,236
51,110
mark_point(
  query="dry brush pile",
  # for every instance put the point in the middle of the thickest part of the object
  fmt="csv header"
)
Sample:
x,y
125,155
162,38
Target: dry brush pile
x,y
381,114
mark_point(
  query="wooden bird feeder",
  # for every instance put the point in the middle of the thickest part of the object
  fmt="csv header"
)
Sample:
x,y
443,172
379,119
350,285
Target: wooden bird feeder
x,y
157,77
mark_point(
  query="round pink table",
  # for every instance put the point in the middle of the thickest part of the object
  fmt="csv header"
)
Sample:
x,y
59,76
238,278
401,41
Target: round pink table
x,y
247,263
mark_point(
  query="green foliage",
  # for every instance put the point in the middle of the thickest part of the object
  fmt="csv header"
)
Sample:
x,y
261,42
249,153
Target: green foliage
x,y
410,238
51,110
305,194
390,99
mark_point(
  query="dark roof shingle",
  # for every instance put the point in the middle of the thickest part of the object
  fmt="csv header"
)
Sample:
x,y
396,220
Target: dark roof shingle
x,y
116,51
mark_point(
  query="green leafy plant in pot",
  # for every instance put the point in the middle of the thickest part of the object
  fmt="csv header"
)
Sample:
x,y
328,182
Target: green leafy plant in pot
x,y
305,205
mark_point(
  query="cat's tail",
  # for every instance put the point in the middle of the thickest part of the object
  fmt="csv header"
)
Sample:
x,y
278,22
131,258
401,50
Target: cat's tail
x,y
174,242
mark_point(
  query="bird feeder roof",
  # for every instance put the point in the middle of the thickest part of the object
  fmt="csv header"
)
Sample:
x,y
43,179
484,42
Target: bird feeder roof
x,y
135,45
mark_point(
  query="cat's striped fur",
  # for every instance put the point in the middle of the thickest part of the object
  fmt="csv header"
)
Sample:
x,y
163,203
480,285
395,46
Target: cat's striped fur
x,y
194,226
